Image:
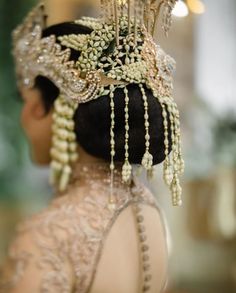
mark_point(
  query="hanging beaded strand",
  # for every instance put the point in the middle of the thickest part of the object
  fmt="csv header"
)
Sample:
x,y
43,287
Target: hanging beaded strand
x,y
167,171
147,160
112,199
178,163
173,165
175,186
181,163
127,168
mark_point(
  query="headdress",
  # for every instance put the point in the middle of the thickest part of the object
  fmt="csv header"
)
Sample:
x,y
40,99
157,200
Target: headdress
x,y
124,31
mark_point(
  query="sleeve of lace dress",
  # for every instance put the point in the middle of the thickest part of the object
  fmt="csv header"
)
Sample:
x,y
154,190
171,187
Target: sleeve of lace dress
x,y
36,263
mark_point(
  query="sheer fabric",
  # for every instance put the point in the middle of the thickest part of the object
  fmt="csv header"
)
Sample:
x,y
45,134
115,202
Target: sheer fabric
x,y
59,248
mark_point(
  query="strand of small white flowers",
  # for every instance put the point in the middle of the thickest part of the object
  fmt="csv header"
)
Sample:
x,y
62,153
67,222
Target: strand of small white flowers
x,y
91,22
112,199
92,51
127,168
73,41
147,160
64,147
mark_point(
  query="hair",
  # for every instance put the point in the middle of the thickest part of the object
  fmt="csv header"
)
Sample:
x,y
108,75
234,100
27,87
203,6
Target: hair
x,y
92,119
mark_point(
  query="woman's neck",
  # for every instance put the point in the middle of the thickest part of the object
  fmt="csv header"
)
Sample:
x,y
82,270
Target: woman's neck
x,y
89,172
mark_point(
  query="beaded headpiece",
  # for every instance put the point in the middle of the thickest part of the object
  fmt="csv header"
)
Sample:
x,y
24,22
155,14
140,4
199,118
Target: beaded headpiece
x,y
120,50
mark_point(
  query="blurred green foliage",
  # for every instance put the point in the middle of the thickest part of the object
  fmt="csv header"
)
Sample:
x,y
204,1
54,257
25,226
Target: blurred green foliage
x,y
15,162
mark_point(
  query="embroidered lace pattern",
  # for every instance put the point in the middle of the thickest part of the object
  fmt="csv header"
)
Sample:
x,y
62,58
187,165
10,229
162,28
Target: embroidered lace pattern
x,y
72,231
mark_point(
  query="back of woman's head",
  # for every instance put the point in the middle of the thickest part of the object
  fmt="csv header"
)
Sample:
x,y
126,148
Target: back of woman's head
x,y
92,119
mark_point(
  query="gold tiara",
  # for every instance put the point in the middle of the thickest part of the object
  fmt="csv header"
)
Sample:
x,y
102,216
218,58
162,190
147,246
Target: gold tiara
x,y
35,55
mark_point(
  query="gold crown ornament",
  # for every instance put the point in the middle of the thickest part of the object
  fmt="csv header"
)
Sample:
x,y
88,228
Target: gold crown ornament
x,y
124,30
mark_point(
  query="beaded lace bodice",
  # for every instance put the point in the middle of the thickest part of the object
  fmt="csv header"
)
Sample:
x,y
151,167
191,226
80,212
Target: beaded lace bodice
x,y
63,243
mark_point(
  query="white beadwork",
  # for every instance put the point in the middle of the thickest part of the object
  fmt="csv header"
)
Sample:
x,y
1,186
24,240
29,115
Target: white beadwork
x,y
147,160
127,168
112,199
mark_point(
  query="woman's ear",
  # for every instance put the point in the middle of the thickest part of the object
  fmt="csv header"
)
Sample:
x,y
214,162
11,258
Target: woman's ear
x,y
34,103
38,107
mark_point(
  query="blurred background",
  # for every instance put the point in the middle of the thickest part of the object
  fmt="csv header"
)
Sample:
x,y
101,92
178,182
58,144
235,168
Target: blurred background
x,y
202,233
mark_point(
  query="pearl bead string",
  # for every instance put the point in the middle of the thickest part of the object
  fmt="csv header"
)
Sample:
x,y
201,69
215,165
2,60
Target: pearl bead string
x,y
147,160
127,168
112,199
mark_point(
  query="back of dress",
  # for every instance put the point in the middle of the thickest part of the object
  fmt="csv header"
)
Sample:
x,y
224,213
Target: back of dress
x,y
78,244
133,255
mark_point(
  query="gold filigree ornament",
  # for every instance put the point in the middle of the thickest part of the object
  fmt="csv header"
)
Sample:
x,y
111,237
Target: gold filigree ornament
x,y
120,50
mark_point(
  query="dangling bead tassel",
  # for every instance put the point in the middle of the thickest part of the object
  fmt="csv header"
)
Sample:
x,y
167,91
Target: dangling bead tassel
x,y
112,199
127,168
175,187
172,168
176,191
167,170
147,160
180,161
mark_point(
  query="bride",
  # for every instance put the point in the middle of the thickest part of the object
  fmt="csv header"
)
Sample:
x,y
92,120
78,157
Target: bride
x,y
97,103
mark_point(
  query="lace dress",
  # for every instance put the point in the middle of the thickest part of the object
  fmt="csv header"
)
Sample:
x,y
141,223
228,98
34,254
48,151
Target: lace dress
x,y
59,248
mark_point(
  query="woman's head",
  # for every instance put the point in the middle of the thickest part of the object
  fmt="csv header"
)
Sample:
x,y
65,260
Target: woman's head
x,y
92,119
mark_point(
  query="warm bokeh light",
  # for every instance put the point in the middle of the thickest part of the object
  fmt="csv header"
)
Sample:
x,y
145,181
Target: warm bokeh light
x,y
181,9
196,6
